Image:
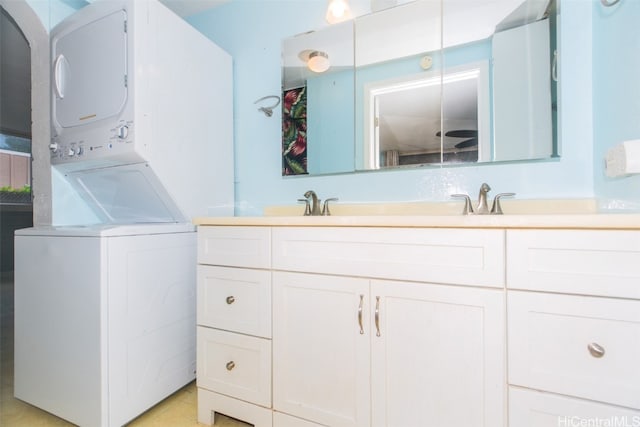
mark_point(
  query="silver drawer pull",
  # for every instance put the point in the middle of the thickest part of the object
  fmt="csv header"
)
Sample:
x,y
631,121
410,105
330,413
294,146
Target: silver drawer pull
x,y
596,350
230,365
360,314
231,299
377,316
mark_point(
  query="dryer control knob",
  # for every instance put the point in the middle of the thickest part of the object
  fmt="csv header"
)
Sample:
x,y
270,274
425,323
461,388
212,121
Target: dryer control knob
x,y
71,152
123,132
80,151
53,147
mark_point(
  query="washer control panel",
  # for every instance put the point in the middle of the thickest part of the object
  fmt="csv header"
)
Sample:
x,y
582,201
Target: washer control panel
x,y
93,144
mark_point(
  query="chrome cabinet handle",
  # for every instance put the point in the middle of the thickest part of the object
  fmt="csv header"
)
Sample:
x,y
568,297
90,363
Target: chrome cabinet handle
x,y
596,350
231,299
377,316
230,365
360,314
554,66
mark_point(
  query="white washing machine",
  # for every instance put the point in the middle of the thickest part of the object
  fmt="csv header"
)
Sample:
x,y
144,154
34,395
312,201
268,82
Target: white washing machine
x,y
142,134
105,319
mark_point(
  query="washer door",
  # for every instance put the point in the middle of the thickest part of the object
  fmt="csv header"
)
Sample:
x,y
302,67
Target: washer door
x,y
90,71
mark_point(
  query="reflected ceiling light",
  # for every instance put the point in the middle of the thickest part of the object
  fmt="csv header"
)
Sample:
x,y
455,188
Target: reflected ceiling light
x,y
318,61
338,11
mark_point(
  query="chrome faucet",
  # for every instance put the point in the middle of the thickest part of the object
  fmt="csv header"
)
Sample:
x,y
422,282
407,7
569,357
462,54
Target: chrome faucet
x,y
483,206
315,203
312,204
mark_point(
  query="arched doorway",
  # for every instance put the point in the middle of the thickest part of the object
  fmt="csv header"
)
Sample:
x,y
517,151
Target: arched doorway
x,y
38,38
32,29
15,136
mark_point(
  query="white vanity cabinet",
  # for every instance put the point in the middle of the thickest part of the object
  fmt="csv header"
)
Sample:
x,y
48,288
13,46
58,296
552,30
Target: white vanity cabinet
x,y
402,327
234,324
573,327
354,346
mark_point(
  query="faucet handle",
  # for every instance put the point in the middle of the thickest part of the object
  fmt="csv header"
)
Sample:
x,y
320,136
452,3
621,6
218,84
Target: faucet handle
x,y
496,209
307,207
468,208
325,206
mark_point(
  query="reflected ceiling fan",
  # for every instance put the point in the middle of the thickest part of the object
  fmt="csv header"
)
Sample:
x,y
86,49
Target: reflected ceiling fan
x,y
470,135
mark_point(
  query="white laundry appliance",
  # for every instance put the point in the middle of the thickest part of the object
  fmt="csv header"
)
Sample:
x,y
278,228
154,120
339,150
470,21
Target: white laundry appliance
x,y
105,319
142,133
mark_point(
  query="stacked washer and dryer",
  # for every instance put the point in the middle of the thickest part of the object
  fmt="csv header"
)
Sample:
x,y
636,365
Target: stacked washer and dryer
x,y
142,134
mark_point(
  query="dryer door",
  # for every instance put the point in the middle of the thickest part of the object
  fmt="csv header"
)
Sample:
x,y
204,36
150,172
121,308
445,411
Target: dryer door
x,y
90,71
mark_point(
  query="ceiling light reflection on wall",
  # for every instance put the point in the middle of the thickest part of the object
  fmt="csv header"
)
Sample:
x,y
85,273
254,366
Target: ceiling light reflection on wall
x,y
318,61
338,11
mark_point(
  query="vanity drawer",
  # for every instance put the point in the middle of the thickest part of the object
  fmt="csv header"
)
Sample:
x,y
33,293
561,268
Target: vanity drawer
x,y
235,299
587,262
529,408
235,246
452,256
554,343
235,365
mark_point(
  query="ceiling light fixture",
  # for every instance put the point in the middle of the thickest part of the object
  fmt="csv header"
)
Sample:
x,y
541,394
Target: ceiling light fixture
x,y
318,61
338,11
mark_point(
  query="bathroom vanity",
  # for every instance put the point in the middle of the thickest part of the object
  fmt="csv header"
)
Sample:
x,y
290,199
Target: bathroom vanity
x,y
419,320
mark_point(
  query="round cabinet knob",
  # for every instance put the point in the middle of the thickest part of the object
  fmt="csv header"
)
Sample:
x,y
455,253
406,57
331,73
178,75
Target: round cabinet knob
x,y
426,62
53,147
230,365
231,299
123,132
596,350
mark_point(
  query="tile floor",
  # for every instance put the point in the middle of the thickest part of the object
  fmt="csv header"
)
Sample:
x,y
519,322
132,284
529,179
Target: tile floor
x,y
178,410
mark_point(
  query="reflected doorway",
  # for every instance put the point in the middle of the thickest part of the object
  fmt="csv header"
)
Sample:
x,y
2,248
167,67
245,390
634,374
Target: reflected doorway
x,y
405,119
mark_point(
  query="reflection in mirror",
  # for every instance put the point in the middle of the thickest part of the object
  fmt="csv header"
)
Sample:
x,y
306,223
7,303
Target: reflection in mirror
x,y
403,119
317,84
457,81
522,71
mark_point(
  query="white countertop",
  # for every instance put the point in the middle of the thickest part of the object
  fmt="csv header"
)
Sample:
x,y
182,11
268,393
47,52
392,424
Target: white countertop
x,y
565,221
566,214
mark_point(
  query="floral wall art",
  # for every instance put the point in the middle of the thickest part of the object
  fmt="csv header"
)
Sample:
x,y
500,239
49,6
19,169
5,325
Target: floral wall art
x,y
294,132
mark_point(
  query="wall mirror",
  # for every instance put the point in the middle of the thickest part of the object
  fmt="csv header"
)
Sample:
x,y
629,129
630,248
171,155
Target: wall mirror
x,y
422,83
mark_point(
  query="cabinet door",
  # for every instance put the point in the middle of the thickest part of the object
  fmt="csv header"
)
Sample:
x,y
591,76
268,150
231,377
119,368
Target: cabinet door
x,y
320,352
438,355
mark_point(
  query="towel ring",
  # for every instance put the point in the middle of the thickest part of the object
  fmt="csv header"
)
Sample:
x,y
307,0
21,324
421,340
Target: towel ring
x,y
268,111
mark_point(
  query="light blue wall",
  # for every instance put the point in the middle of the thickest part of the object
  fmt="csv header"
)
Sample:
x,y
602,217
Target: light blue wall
x,y
616,73
252,30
